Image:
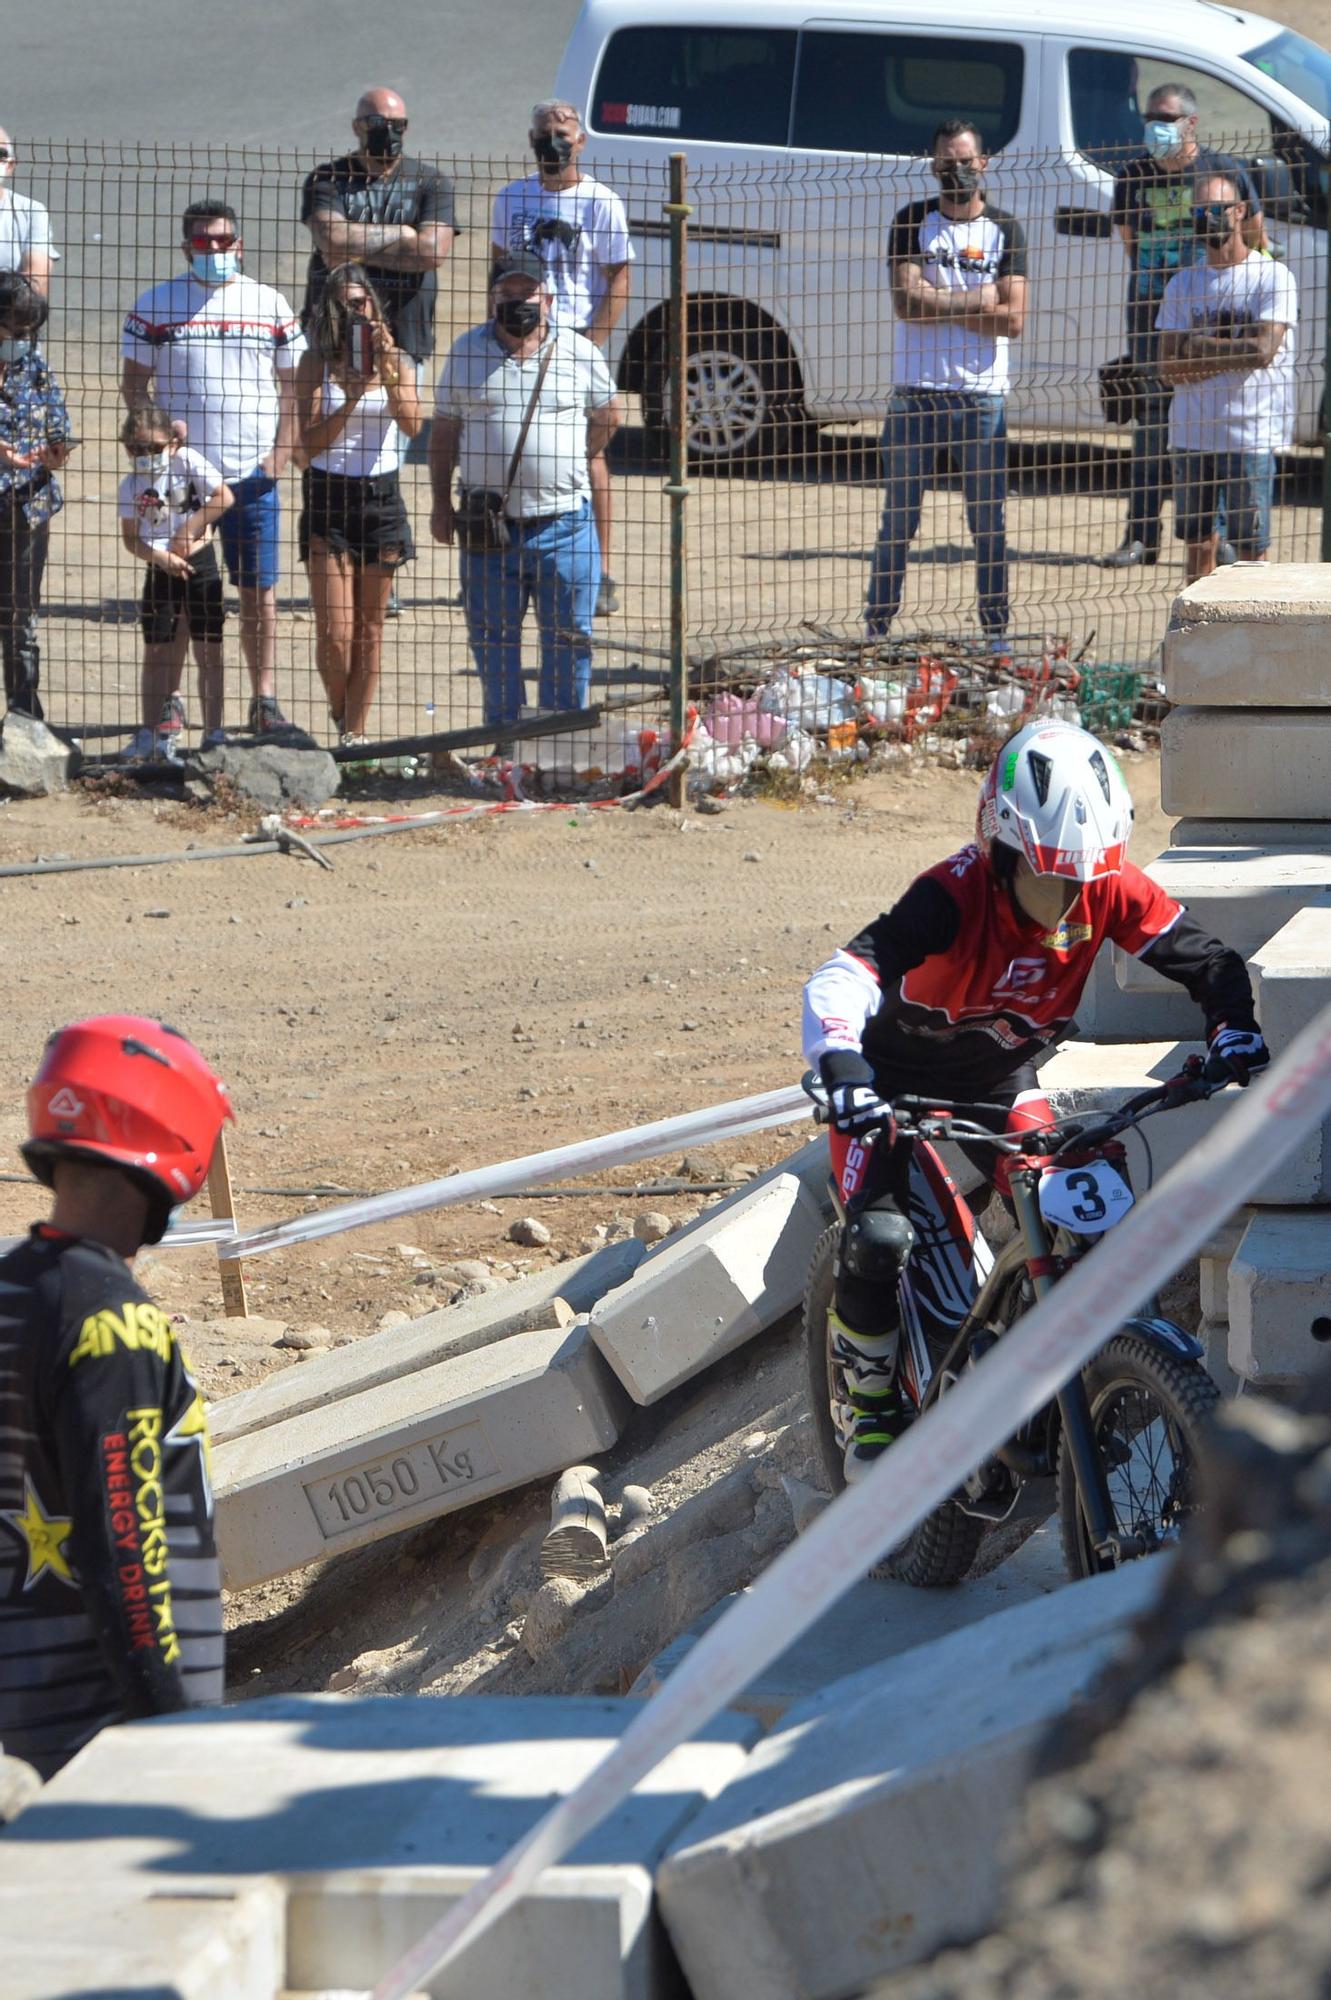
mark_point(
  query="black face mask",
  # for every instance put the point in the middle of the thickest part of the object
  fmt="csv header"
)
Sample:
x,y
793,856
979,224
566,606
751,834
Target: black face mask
x,y
518,316
959,179
552,149
383,141
1212,224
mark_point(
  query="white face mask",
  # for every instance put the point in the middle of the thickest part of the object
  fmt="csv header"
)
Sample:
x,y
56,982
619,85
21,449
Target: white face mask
x,y
152,464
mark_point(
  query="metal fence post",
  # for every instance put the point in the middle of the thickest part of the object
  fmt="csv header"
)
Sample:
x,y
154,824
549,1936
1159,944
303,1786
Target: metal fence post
x,y
678,210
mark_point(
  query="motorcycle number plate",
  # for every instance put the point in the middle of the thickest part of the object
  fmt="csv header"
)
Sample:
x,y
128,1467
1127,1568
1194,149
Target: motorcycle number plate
x,y
1087,1200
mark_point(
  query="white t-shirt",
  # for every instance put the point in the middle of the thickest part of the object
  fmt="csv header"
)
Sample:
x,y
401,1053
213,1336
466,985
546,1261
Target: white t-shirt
x,y
954,256
161,506
574,231
25,228
488,389
213,350
1245,409
369,444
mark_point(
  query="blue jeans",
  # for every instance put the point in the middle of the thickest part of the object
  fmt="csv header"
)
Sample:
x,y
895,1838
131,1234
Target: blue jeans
x,y
1236,485
554,563
1149,474
920,423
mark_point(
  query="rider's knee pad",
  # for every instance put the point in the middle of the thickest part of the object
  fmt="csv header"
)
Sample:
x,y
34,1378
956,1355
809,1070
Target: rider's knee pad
x,y
875,1245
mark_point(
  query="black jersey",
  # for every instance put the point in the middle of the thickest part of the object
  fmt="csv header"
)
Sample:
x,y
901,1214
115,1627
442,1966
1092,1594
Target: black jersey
x,y
110,1597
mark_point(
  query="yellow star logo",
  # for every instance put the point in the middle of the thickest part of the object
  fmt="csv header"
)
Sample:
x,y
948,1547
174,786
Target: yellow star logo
x,y
45,1536
192,1428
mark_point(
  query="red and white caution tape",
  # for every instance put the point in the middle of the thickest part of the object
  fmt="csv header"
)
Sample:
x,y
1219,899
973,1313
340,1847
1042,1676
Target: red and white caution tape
x,y
1019,1375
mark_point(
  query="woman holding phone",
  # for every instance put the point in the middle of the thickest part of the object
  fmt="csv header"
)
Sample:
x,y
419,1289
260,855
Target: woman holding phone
x,y
358,402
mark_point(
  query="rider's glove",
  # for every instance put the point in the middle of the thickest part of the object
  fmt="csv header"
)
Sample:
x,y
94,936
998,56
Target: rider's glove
x,y
1234,1054
857,1108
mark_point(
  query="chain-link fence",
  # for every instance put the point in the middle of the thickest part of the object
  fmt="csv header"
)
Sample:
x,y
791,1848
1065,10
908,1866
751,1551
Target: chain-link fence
x,y
801,345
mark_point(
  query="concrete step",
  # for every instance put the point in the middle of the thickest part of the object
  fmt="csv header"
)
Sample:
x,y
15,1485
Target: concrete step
x,y
520,1307
183,1945
877,1620
367,1818
1214,1336
1258,636
1263,763
1280,1297
1292,974
1312,835
1243,897
869,1830
388,1458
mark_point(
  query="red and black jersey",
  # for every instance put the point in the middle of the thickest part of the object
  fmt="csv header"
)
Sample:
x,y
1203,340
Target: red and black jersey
x,y
110,1593
955,988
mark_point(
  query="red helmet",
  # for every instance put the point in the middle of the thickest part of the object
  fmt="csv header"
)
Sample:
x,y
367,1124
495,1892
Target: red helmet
x,y
132,1092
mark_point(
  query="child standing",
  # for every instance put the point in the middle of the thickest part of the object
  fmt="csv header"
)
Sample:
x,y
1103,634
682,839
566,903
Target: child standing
x,y
169,505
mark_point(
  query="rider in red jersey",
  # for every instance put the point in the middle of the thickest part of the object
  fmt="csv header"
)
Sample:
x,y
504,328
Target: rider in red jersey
x,y
955,990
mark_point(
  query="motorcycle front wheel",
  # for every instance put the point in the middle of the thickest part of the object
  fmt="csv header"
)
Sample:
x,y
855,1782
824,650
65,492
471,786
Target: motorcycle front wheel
x,y
1150,1412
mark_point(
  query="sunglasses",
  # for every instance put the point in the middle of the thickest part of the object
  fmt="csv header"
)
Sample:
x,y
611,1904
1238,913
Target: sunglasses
x,y
5,153
226,241
398,125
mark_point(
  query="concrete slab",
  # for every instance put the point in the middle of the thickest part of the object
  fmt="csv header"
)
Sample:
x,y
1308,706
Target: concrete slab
x,y
1258,636
442,1438
301,1789
1313,835
868,1831
1280,1297
735,1273
1089,1076
1243,895
1266,763
181,1945
520,1307
1106,1013
1214,1336
1292,974
876,1621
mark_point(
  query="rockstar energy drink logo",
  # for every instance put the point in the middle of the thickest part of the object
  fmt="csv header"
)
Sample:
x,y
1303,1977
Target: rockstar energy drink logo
x,y
139,1326
132,1466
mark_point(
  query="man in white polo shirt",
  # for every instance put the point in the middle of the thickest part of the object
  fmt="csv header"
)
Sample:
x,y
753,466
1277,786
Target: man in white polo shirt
x,y
549,555
957,267
25,227
218,352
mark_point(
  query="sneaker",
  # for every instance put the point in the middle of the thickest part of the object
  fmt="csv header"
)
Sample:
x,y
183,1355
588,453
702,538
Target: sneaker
x,y
140,747
1129,554
215,739
172,718
607,598
265,715
1226,555
393,609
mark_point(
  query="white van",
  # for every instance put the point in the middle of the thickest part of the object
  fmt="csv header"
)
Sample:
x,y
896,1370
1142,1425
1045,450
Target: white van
x,y
804,134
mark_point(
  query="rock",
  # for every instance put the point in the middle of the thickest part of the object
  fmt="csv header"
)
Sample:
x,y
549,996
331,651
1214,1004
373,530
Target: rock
x,y
550,1614
526,1229
393,1317
33,762
285,769
635,1504
806,1502
743,1170
340,1680
652,1226
709,804
19,1786
693,1167
297,1337
466,1271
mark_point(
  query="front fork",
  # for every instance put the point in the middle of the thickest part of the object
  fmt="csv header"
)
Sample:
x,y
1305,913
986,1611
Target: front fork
x,y
1074,1406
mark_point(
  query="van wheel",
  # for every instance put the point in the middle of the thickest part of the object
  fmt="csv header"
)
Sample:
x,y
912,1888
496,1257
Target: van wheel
x,y
742,394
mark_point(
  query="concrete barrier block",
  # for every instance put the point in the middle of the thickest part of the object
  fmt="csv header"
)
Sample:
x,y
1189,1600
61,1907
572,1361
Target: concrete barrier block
x,y
1090,1076
736,1272
389,1458
1107,1012
1292,974
75,1939
869,1830
520,1307
1244,897
1256,636
1266,763
1313,835
1214,1336
339,1800
1280,1297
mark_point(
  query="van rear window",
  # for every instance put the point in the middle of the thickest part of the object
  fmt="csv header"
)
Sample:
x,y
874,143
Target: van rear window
x,y
889,92
731,85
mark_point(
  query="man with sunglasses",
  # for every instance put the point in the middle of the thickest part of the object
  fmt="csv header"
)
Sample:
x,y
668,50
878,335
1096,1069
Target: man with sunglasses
x,y
25,227
1226,331
218,352
386,211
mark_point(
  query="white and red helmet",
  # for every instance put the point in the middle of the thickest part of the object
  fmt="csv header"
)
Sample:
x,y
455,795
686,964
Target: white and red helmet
x,y
1057,796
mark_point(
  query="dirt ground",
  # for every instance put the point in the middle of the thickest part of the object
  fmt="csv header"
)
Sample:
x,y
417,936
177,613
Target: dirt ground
x,y
447,998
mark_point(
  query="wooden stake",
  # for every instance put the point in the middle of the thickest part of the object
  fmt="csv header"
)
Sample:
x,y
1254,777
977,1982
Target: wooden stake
x,y
234,1303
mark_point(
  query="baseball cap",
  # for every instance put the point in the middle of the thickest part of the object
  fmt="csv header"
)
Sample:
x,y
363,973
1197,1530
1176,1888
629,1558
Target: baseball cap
x,y
523,264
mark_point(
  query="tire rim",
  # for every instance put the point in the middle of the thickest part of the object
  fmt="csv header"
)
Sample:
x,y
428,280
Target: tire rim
x,y
726,402
1147,1465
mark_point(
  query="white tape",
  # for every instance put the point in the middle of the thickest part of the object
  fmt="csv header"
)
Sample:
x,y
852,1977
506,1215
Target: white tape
x,y
614,1149
1019,1375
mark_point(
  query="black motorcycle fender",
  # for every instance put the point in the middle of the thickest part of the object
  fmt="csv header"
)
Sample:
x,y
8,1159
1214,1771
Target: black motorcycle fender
x,y
1170,1339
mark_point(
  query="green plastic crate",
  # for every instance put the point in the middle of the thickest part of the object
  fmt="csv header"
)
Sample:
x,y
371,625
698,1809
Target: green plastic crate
x,y
1108,697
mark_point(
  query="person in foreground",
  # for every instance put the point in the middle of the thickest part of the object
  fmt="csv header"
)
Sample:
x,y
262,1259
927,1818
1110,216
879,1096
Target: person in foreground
x,y
110,1597
956,990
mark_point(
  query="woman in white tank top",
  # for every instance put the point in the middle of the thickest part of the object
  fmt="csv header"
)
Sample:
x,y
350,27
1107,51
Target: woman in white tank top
x,y
355,422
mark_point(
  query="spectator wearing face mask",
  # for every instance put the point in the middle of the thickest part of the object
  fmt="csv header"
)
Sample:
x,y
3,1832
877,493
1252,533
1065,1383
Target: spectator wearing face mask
x,y
25,227
218,352
389,213
579,229
35,441
1153,203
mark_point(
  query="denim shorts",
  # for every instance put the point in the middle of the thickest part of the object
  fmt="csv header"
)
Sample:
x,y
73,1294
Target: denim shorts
x,y
248,532
1246,479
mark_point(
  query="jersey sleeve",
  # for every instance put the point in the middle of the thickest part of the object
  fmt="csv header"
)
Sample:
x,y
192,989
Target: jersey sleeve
x,y
436,204
141,337
125,499
321,194
1173,315
1012,264
903,241
1283,296
288,340
600,382
201,470
844,994
39,231
614,245
132,1443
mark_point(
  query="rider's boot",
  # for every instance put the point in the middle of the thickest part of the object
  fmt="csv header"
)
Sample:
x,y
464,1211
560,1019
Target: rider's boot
x,y
869,1368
